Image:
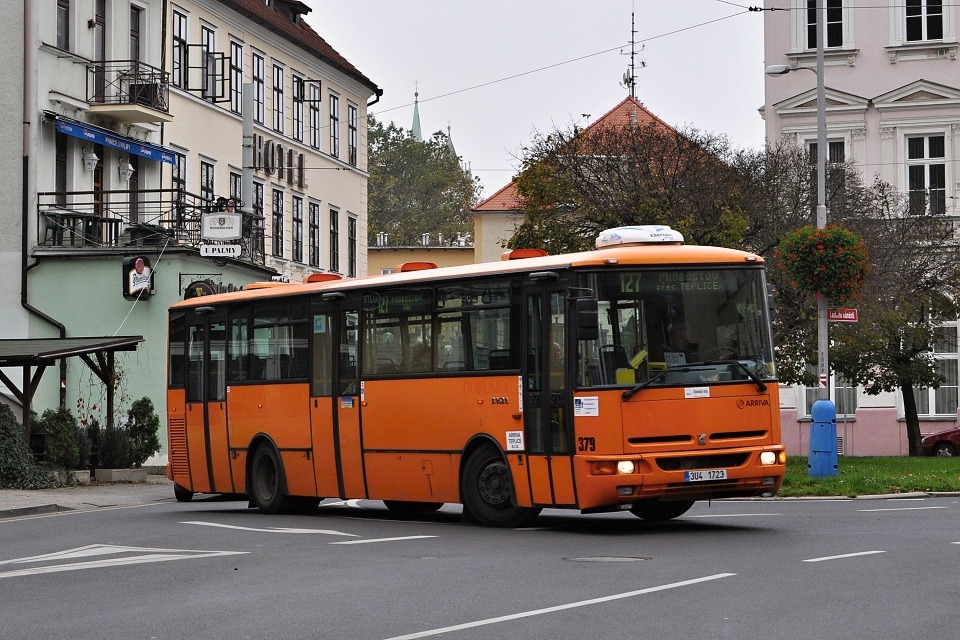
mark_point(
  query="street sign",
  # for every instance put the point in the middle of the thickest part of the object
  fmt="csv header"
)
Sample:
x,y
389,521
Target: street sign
x,y
842,315
220,250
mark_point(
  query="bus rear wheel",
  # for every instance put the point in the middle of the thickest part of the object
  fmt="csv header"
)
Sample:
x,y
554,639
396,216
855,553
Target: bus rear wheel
x,y
654,511
181,493
267,487
487,491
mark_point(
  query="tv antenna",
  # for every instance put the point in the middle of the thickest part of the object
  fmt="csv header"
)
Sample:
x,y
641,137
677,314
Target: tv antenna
x,y
630,75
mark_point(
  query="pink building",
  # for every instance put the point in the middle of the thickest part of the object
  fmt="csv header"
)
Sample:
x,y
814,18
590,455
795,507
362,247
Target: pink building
x,y
893,106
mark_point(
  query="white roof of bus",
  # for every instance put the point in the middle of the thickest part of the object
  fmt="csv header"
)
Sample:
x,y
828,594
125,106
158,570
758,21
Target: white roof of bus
x,y
647,254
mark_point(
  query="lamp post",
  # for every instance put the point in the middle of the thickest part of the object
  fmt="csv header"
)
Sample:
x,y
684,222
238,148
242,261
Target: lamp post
x,y
823,408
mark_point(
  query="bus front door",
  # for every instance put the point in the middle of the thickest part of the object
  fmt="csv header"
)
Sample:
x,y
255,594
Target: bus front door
x,y
547,424
206,409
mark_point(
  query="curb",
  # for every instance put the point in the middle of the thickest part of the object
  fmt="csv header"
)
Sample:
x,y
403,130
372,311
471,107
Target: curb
x,y
42,509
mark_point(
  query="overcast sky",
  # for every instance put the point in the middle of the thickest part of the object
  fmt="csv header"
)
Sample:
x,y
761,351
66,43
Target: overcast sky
x,y
496,71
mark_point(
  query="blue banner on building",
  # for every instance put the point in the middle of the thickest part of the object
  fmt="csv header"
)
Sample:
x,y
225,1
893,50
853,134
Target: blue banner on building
x,y
96,135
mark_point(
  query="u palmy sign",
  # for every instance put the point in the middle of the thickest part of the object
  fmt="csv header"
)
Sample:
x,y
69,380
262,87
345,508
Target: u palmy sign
x,y
221,227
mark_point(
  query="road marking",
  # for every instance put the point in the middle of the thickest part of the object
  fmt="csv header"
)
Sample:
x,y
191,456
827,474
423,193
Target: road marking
x,y
732,515
901,509
562,607
845,555
383,540
326,532
124,556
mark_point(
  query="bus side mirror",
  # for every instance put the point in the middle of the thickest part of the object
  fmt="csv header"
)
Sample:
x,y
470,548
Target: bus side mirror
x,y
588,319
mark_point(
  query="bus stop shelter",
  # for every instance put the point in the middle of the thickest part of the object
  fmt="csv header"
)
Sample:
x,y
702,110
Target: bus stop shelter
x,y
34,355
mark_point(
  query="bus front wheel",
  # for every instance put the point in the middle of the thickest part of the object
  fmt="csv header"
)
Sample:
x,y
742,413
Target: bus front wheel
x,y
487,491
266,481
660,511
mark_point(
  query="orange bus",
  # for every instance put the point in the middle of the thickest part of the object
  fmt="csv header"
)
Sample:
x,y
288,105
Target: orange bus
x,y
637,376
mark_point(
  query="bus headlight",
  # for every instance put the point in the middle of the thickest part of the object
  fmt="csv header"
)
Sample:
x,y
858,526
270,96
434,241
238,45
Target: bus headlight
x,y
626,466
768,457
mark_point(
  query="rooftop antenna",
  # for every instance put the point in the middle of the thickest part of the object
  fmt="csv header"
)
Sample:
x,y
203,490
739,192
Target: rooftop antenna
x,y
630,75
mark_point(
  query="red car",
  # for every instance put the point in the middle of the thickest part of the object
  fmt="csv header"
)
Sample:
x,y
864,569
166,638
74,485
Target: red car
x,y
944,443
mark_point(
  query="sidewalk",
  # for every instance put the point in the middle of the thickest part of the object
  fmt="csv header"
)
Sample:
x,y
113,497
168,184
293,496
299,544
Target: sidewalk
x,y
16,502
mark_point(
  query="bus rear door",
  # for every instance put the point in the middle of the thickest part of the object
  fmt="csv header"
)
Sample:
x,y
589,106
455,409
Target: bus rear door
x,y
206,409
547,423
335,402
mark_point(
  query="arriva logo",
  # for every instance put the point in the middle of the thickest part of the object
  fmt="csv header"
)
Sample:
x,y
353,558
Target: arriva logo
x,y
742,404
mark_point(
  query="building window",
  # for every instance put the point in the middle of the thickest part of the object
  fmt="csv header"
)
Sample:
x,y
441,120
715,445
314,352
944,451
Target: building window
x,y
334,126
836,156
298,89
833,25
63,24
136,17
334,240
257,207
352,116
208,40
352,247
314,251
926,174
60,169
924,20
298,228
258,88
315,115
236,185
236,77
178,182
277,223
206,182
278,98
942,401
842,392
180,49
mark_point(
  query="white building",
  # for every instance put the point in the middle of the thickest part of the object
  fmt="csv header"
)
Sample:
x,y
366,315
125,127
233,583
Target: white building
x,y
130,139
893,107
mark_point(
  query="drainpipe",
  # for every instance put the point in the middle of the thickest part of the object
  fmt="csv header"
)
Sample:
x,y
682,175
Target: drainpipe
x,y
30,47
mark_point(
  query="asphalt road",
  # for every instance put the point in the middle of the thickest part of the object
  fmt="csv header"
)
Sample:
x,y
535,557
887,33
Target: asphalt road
x,y
744,569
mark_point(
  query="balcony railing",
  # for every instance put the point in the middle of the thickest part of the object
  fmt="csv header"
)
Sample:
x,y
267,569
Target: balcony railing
x,y
85,220
127,86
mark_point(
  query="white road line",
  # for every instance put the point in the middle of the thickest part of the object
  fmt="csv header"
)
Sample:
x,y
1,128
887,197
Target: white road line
x,y
144,555
845,555
901,509
562,607
731,515
326,532
383,540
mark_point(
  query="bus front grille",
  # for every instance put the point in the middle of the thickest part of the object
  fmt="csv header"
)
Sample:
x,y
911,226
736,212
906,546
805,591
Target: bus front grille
x,y
687,463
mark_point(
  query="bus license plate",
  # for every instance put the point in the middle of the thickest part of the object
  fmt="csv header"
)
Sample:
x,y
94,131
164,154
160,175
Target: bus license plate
x,y
705,475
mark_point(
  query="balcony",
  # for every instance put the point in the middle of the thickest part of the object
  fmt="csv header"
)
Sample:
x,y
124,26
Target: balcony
x,y
128,91
104,221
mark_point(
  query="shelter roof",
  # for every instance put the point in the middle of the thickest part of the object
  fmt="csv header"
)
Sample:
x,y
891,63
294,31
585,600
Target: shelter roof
x,y
44,351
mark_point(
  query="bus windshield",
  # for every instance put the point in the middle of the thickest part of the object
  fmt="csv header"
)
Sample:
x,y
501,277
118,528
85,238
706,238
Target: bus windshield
x,y
684,326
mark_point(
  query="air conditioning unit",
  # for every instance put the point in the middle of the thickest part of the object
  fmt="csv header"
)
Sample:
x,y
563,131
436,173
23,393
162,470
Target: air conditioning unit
x,y
145,94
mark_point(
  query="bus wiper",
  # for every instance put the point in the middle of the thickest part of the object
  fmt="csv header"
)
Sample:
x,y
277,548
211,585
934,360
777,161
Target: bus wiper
x,y
629,393
761,387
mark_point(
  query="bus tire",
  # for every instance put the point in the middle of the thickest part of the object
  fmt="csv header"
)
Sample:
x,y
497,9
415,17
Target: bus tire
x,y
406,508
181,493
656,511
268,489
486,491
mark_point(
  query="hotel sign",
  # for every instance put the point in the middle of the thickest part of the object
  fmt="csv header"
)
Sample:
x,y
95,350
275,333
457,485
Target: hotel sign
x,y
273,159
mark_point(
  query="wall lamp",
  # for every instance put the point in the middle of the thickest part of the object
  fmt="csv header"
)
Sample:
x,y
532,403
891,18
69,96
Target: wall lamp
x,y
126,170
90,159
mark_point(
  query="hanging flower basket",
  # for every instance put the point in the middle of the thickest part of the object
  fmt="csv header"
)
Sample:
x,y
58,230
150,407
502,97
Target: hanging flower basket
x,y
831,262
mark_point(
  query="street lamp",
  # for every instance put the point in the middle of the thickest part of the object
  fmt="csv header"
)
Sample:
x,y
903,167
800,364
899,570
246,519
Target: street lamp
x,y
828,410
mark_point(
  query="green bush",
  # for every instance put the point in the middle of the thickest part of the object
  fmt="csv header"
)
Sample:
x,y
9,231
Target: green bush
x,y
143,426
114,451
62,439
18,469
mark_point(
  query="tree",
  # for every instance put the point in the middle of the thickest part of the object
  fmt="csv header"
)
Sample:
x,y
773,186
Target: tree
x,y
416,187
576,183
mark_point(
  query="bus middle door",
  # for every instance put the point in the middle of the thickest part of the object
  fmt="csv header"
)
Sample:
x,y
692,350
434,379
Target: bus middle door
x,y
206,409
547,422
